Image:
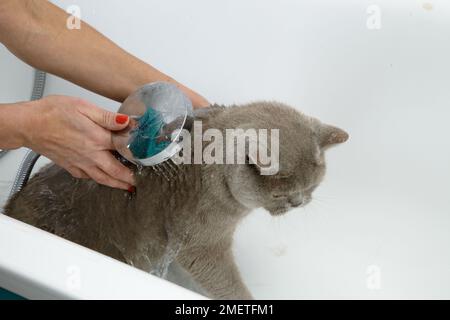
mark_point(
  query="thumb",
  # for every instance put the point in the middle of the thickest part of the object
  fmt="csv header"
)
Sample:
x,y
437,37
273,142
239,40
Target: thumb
x,y
107,119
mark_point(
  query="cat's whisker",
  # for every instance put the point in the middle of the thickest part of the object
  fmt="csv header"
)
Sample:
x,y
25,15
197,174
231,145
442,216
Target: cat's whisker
x,y
318,201
305,223
316,206
317,211
320,204
325,196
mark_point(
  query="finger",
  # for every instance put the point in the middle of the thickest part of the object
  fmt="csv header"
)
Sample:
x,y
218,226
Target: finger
x,y
77,173
197,100
104,118
104,140
103,178
111,166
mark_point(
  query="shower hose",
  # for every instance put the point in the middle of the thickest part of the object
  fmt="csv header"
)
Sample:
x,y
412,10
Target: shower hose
x,y
31,157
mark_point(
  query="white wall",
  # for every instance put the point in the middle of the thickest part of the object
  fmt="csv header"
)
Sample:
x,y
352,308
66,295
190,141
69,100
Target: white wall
x,y
385,200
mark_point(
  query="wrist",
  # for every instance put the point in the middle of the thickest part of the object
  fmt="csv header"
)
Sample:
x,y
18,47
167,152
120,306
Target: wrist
x,y
28,124
197,100
14,128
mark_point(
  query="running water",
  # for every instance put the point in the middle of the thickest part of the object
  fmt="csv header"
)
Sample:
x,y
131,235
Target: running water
x,y
171,252
140,168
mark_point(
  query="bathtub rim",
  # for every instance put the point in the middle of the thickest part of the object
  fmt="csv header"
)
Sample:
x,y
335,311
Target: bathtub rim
x,y
49,276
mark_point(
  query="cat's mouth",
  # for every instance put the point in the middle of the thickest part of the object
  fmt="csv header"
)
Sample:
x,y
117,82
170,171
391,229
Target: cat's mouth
x,y
279,211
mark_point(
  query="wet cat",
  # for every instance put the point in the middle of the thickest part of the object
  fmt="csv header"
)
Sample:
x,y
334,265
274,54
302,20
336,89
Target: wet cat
x,y
186,220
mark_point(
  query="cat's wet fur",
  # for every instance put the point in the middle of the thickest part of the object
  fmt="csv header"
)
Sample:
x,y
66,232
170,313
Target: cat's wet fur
x,y
192,217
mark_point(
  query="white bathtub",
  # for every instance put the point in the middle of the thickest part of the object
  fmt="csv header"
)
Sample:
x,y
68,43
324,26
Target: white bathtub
x,y
380,225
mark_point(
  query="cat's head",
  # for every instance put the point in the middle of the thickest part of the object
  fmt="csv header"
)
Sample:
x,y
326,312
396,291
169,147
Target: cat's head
x,y
301,165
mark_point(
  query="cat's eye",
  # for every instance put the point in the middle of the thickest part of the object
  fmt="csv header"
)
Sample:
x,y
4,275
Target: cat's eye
x,y
279,196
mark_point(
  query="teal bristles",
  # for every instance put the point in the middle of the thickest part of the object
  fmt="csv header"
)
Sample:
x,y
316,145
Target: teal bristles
x,y
148,138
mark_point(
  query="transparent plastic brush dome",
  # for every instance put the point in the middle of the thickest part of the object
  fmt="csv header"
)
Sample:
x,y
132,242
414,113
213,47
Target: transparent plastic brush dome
x,y
158,112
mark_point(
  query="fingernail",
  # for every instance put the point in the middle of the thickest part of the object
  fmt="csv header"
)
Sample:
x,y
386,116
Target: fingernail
x,y
132,189
121,119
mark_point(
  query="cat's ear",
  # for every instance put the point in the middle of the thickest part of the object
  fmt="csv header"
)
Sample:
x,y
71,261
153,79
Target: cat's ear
x,y
330,136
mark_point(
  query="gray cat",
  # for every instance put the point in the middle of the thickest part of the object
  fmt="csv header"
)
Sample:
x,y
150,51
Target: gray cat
x,y
188,220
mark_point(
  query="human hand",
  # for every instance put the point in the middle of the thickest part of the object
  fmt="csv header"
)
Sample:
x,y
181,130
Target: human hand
x,y
197,100
76,135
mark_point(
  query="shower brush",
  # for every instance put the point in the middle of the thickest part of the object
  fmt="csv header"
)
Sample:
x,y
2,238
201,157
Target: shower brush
x,y
158,112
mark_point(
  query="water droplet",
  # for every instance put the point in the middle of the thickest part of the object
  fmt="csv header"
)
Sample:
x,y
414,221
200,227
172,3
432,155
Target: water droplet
x,y
140,168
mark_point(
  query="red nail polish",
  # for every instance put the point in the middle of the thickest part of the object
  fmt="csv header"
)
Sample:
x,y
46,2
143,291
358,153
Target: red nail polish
x,y
121,118
132,189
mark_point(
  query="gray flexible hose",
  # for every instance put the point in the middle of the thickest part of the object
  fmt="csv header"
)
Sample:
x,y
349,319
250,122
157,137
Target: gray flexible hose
x,y
31,157
24,172
39,85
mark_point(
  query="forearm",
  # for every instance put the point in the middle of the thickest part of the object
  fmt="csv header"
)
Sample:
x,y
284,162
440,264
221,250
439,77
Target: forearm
x,y
37,34
13,123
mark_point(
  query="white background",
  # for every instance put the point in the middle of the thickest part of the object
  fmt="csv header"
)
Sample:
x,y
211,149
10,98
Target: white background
x,y
384,210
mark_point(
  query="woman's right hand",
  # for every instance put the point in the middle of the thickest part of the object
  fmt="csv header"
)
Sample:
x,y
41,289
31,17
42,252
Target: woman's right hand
x,y
76,135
